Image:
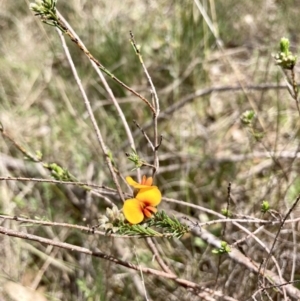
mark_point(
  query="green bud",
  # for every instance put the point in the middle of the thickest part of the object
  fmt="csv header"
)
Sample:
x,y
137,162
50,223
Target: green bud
x,y
284,58
265,207
134,157
226,212
247,117
284,45
224,249
39,155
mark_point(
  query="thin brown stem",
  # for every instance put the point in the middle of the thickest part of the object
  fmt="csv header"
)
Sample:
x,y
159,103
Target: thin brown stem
x,y
109,91
151,243
199,290
92,58
295,89
92,117
18,146
155,104
278,232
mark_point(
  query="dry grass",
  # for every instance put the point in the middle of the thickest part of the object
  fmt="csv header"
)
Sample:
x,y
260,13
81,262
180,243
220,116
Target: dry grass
x,y
205,146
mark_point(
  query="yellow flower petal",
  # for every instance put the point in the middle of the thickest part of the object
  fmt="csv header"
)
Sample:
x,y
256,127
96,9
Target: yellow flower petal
x,y
145,182
131,181
150,196
133,211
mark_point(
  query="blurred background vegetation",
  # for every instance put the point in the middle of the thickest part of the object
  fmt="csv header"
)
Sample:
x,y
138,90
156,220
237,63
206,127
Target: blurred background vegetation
x,y
205,145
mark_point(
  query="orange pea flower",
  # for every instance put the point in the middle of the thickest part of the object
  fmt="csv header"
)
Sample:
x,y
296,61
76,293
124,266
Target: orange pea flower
x,y
146,198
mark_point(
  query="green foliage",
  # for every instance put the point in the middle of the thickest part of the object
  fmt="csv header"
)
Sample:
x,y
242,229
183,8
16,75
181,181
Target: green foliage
x,y
226,212
248,117
224,249
110,155
39,155
89,294
293,191
134,157
20,202
168,227
137,230
200,243
46,9
59,173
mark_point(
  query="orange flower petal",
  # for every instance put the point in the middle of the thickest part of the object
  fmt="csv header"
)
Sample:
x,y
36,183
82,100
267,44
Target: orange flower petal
x,y
149,210
133,211
150,196
147,181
